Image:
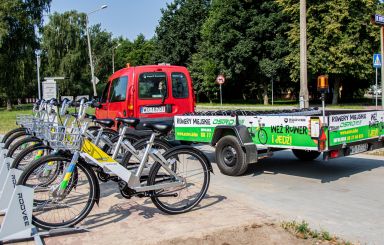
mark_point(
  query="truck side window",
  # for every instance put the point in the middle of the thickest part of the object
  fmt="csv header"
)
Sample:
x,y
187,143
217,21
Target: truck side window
x,y
119,89
179,85
104,96
152,85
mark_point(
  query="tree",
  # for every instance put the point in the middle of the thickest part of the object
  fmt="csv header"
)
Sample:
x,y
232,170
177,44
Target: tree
x,y
178,32
66,53
65,49
245,41
18,42
102,44
341,40
138,52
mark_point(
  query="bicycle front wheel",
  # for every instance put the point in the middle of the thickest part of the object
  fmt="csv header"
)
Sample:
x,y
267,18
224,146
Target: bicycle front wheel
x,y
192,168
53,205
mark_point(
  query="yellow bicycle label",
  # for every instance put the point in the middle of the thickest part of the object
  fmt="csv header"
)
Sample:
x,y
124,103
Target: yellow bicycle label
x,y
95,152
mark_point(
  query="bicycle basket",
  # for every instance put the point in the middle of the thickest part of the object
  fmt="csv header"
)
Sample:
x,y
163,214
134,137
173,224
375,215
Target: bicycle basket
x,y
63,138
24,120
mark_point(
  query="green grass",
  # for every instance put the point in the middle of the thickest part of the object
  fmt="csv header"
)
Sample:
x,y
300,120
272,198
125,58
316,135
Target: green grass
x,y
303,231
245,104
281,104
8,118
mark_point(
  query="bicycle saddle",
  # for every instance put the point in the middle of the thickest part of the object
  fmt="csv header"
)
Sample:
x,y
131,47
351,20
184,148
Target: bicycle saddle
x,y
162,128
89,116
128,121
105,122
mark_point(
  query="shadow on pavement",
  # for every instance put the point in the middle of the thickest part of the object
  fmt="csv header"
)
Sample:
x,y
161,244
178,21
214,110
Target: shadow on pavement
x,y
285,163
147,210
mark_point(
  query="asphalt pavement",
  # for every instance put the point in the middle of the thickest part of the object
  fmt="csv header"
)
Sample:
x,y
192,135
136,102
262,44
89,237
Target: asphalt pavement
x,y
342,196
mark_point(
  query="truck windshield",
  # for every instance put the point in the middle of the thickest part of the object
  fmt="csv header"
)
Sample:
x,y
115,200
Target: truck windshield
x,y
152,85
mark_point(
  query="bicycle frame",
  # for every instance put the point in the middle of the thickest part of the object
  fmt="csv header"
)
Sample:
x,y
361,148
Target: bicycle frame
x,y
94,154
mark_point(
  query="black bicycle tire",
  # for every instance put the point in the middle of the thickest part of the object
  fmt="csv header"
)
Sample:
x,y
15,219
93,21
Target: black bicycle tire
x,y
26,151
17,144
91,199
143,142
13,131
156,167
11,139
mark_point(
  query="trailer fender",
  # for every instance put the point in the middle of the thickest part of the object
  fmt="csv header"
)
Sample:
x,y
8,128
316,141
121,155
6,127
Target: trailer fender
x,y
242,134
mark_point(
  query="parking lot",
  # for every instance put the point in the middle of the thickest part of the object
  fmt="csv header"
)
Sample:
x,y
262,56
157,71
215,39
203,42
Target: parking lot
x,y
342,196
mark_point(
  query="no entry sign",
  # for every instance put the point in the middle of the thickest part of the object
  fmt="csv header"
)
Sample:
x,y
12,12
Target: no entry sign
x,y
220,79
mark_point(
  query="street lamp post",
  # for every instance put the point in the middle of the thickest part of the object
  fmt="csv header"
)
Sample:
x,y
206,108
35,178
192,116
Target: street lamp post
x,y
90,50
304,102
38,63
113,57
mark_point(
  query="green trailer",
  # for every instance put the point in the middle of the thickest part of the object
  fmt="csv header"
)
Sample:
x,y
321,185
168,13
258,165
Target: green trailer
x,y
241,138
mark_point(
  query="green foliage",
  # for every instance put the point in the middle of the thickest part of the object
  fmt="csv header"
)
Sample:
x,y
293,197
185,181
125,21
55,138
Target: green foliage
x,y
64,49
245,41
101,44
138,52
178,32
66,52
18,41
303,231
341,40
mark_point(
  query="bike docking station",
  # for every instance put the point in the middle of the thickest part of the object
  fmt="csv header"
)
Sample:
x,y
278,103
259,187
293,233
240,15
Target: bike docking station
x,y
16,204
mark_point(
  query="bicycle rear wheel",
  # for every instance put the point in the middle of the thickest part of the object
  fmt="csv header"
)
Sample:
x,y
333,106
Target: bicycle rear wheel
x,y
52,210
128,159
20,145
10,133
14,138
29,154
191,167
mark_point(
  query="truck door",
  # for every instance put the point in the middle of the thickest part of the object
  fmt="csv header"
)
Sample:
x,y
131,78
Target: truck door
x,y
118,98
103,111
182,93
153,95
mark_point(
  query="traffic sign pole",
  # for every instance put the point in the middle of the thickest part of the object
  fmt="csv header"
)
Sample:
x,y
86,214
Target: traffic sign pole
x,y
220,80
221,97
376,89
382,67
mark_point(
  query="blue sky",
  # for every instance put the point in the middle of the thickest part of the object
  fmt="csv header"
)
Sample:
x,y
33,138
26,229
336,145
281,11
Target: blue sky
x,y
127,18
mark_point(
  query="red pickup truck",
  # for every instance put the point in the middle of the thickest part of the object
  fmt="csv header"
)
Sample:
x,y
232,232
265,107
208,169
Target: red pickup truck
x,y
151,93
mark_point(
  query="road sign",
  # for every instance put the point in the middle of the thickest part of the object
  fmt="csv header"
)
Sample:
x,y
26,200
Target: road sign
x,y
220,79
377,19
377,60
49,89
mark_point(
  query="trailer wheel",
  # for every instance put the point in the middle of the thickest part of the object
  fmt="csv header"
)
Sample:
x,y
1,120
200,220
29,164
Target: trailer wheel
x,y
230,157
305,155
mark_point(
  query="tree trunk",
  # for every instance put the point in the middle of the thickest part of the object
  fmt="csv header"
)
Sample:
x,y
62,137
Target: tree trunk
x,y
9,104
336,91
265,95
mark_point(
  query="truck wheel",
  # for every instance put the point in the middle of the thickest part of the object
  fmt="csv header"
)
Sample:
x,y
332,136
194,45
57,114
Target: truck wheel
x,y
306,155
230,157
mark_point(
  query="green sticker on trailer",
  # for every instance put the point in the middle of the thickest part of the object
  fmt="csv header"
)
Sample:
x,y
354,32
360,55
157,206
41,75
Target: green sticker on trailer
x,y
348,128
268,131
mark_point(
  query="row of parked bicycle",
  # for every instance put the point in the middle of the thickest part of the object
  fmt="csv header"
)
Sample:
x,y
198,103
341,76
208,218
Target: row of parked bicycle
x,y
63,157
